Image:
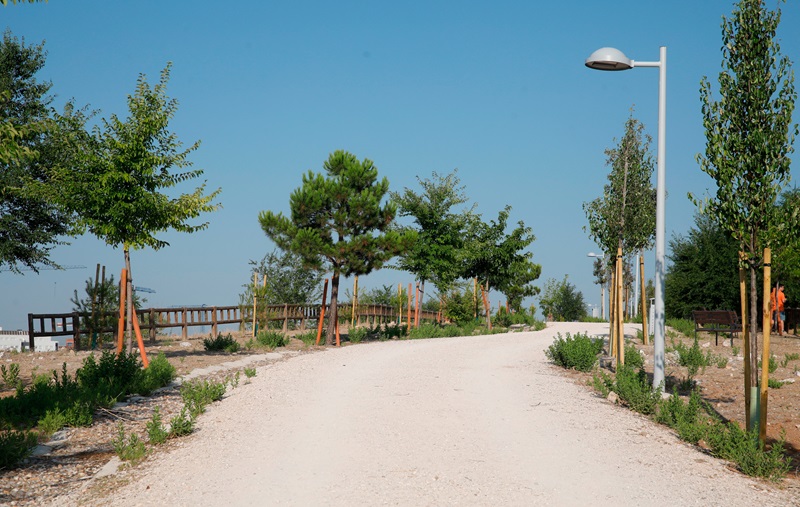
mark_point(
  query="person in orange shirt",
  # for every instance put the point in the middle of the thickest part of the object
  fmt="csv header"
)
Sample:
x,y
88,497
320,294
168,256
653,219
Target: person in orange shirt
x,y
778,300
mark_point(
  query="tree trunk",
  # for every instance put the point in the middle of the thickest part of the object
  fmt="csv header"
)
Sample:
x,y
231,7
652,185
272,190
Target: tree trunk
x,y
754,314
330,335
129,303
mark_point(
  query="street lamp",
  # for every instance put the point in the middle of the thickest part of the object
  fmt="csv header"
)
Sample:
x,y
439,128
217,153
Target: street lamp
x,y
614,59
602,286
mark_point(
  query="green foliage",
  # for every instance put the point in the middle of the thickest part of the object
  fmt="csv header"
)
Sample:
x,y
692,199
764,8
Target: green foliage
x,y
271,339
693,359
626,214
156,433
181,424
561,300
702,272
221,343
775,384
357,334
749,137
634,389
794,356
249,372
337,220
602,382
505,319
309,338
440,227
128,448
498,260
460,304
106,300
684,417
734,444
110,378
10,375
577,352
683,326
16,446
633,359
159,373
198,394
435,331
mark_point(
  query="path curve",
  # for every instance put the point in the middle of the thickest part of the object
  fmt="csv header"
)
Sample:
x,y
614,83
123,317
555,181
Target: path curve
x,y
482,420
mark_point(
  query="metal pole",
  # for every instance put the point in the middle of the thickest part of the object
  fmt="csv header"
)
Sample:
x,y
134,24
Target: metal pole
x,y
658,339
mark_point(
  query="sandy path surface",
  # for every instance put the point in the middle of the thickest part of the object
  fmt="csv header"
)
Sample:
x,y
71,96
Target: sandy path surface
x,y
466,421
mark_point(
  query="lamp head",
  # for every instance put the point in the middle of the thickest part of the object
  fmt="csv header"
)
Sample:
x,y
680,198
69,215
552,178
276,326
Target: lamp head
x,y
609,59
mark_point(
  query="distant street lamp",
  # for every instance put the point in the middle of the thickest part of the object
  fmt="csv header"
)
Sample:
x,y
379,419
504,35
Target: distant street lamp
x,y
602,285
614,59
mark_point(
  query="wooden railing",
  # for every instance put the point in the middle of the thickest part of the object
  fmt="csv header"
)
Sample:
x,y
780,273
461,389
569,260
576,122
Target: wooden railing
x,y
153,319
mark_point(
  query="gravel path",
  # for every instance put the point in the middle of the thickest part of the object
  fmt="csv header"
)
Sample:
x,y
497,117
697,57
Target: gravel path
x,y
465,421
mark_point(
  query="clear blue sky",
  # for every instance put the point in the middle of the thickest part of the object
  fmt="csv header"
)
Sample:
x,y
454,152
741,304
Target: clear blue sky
x,y
497,90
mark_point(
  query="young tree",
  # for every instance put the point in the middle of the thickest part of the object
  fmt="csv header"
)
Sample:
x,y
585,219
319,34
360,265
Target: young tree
x,y
498,259
749,136
337,222
562,301
440,229
117,191
702,271
35,142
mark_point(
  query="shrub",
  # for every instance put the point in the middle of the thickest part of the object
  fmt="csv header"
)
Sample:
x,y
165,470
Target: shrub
x,y
693,359
684,418
158,374
11,375
734,444
249,372
156,433
128,449
357,334
683,326
197,394
309,338
271,339
602,383
181,424
774,384
578,352
634,389
221,343
632,357
16,446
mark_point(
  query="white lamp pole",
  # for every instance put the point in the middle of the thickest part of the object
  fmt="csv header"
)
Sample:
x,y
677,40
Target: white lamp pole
x,y
614,59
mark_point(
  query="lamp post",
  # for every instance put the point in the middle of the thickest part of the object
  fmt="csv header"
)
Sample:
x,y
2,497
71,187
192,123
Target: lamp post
x,y
614,59
602,286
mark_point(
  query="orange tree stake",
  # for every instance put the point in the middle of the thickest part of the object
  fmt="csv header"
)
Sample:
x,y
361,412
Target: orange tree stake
x,y
139,340
409,308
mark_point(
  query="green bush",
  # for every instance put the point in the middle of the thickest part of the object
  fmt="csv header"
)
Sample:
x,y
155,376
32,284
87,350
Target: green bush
x,y
198,394
634,389
181,424
632,357
693,359
159,373
683,326
221,343
577,352
16,446
10,375
602,382
271,339
128,449
732,443
309,338
156,433
357,334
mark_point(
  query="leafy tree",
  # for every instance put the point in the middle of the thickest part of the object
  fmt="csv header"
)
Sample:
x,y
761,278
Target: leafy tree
x,y
337,221
287,281
498,259
749,136
786,259
702,271
625,216
5,2
117,189
440,229
562,300
35,142
601,274
105,295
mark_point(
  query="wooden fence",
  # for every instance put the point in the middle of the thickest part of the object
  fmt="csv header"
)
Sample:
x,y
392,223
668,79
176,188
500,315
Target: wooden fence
x,y
153,319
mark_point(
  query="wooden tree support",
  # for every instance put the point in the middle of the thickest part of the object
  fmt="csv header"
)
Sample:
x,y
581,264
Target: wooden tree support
x,y
322,311
134,320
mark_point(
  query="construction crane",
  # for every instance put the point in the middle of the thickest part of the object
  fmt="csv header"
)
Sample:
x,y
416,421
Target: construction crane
x,y
136,288
45,268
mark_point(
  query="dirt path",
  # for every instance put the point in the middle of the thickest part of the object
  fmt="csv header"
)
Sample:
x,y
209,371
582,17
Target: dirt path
x,y
465,421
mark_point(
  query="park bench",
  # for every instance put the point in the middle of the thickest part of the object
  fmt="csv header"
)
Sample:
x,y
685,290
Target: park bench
x,y
792,319
716,321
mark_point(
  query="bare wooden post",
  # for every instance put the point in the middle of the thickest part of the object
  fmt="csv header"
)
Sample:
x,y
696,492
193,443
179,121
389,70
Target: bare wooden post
x,y
486,306
255,286
30,333
153,331
355,302
76,331
416,307
214,327
185,327
400,309
766,325
123,290
285,318
409,308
